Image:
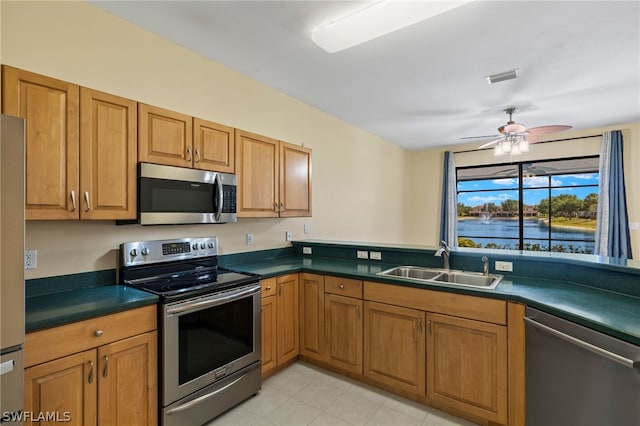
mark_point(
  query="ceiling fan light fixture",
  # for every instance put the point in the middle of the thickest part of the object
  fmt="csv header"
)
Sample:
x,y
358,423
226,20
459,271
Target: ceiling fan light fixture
x,y
376,20
503,76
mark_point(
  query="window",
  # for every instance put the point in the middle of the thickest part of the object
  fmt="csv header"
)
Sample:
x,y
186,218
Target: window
x,y
546,205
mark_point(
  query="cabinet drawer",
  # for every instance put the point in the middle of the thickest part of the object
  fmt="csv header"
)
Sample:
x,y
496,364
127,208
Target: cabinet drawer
x,y
269,287
343,286
53,343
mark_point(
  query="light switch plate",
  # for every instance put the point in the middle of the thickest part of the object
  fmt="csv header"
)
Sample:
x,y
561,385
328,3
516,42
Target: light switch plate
x,y
287,236
249,239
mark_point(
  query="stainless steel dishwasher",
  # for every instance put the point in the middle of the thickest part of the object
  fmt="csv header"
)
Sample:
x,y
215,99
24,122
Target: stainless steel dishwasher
x,y
576,376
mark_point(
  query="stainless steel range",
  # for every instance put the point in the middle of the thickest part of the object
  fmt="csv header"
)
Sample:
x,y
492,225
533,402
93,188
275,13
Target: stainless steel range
x,y
210,326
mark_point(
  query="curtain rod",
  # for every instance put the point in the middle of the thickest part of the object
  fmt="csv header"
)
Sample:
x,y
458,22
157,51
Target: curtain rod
x,y
537,143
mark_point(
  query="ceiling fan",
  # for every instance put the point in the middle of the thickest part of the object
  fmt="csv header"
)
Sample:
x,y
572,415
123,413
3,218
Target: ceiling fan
x,y
515,137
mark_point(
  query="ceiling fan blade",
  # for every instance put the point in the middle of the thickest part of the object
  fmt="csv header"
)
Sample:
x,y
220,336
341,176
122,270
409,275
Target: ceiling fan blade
x,y
488,144
544,130
514,128
480,137
531,138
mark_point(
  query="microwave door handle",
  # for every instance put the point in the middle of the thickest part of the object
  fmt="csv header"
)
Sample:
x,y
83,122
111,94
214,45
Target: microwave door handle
x,y
220,197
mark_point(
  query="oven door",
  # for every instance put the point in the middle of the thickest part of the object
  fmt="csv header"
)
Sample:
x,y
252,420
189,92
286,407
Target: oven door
x,y
208,338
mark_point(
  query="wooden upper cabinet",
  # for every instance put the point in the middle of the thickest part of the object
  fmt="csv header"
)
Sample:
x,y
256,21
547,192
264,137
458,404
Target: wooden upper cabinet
x,y
164,137
257,162
295,180
274,177
108,154
213,146
50,108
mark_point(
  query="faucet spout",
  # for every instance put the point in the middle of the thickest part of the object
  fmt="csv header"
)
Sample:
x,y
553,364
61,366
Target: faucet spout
x,y
443,252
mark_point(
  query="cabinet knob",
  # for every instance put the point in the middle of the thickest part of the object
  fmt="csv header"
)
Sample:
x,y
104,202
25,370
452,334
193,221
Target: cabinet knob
x,y
98,333
268,288
341,286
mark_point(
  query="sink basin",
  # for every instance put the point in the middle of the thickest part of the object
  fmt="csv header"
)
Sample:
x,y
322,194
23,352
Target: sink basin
x,y
466,278
412,272
440,276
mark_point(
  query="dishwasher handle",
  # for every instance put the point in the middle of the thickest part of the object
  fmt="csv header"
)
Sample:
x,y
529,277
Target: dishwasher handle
x,y
585,345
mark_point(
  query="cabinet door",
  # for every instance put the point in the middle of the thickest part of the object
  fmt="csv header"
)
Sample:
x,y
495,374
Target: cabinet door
x,y
343,325
394,347
164,137
467,366
312,316
213,146
287,311
269,331
128,389
295,180
50,109
66,386
257,161
108,155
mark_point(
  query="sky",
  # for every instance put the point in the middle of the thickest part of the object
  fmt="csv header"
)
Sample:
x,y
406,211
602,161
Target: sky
x,y
507,188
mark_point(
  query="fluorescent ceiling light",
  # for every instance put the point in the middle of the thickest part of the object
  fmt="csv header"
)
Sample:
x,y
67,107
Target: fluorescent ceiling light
x,y
377,20
503,76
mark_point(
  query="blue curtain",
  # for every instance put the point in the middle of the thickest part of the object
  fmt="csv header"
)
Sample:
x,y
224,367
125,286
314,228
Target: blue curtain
x,y
449,214
612,229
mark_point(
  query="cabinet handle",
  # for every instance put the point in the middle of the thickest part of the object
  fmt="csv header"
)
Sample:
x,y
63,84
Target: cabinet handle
x,y
275,207
86,199
420,326
90,371
197,151
341,286
429,327
189,158
106,366
280,289
98,333
358,311
73,200
282,208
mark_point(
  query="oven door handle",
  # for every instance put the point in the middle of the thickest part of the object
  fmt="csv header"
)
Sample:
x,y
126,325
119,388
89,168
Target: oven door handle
x,y
202,398
212,301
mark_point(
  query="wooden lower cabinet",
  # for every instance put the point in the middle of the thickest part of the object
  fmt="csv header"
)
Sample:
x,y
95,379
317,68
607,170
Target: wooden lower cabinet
x,y
312,316
288,341
269,332
394,347
343,330
115,384
467,366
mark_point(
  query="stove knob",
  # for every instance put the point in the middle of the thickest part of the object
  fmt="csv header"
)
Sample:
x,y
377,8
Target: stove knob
x,y
195,246
210,245
145,251
133,252
203,245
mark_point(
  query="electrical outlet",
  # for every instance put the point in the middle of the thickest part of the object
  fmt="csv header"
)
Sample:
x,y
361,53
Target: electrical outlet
x,y
287,236
307,228
30,259
504,266
634,226
375,255
307,250
362,254
249,239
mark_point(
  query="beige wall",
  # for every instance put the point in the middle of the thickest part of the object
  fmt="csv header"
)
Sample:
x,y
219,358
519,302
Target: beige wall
x,y
77,42
364,189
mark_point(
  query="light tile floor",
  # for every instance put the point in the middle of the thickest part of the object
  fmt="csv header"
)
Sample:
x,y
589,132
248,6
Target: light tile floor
x,y
303,394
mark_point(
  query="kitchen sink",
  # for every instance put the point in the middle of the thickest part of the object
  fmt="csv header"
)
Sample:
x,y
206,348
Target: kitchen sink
x,y
442,276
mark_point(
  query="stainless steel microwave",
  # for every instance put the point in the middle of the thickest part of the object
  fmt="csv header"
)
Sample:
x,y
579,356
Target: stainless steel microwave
x,y
170,195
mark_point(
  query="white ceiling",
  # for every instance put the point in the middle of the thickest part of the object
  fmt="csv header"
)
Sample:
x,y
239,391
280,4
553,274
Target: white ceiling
x,y
424,86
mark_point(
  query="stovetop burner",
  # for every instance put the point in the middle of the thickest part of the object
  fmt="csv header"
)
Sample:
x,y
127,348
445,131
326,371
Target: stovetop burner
x,y
178,269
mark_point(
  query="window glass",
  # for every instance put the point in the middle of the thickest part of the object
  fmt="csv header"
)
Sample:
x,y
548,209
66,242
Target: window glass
x,y
537,206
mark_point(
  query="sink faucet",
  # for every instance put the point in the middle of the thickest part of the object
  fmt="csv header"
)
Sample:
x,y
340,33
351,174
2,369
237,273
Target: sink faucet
x,y
444,251
485,265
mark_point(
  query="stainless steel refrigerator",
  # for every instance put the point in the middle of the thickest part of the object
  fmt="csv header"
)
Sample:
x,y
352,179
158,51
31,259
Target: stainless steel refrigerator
x,y
12,165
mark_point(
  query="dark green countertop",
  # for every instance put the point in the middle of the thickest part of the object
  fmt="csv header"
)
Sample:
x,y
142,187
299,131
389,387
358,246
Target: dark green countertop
x,y
612,313
55,309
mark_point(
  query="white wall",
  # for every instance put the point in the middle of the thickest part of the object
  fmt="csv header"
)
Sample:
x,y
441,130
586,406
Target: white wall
x,y
77,42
